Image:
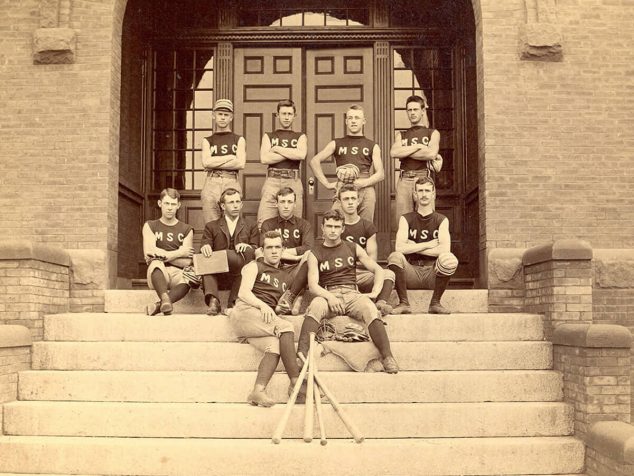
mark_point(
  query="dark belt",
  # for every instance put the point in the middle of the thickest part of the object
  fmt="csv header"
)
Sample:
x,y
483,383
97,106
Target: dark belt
x,y
415,173
283,173
222,173
338,286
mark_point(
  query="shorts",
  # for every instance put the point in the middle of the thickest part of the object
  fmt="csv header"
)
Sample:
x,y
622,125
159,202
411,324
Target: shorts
x,y
173,275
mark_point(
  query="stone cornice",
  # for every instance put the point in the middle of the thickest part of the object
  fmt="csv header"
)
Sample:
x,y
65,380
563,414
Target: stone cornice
x,y
614,439
14,336
21,250
593,336
565,250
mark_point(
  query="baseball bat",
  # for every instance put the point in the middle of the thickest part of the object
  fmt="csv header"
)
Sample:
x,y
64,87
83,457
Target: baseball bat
x,y
309,410
320,416
352,428
277,434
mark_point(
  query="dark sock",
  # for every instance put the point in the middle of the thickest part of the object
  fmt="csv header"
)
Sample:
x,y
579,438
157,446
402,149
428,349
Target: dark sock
x,y
400,284
300,281
309,325
439,287
233,293
158,281
266,369
287,352
379,337
386,290
179,292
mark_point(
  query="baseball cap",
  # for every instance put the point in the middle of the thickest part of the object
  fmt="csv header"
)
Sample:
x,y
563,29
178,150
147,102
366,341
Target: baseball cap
x,y
223,105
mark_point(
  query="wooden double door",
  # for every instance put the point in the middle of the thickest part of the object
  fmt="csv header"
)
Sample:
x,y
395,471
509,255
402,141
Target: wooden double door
x,y
323,83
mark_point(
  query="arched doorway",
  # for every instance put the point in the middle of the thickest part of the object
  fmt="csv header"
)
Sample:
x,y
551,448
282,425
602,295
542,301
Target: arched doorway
x,y
324,55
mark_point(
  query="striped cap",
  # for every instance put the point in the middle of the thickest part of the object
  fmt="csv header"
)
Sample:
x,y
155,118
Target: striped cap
x,y
223,105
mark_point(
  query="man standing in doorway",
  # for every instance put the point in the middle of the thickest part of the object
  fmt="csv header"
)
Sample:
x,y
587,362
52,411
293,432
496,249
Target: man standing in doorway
x,y
332,279
358,161
223,154
417,149
423,258
234,234
282,150
168,248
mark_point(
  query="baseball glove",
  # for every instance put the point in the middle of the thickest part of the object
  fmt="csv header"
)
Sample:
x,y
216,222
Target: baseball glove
x,y
191,277
347,173
351,333
436,163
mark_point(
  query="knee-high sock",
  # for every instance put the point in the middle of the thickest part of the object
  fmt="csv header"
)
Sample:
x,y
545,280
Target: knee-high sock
x,y
287,352
300,281
179,292
386,290
439,287
266,369
379,337
159,282
309,325
400,284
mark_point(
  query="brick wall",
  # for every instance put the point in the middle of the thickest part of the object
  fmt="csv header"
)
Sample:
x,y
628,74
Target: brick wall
x,y
34,281
556,138
15,355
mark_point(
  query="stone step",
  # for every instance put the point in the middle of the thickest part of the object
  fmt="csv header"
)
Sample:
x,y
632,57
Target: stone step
x,y
199,328
234,356
240,420
151,456
458,300
233,387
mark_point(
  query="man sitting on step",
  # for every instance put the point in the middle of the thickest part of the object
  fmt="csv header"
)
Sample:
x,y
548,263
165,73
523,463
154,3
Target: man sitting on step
x,y
332,279
298,238
253,317
233,233
423,258
363,232
168,248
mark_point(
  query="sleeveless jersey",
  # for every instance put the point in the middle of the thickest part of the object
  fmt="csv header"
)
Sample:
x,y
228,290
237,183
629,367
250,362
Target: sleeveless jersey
x,y
292,233
270,283
422,229
284,138
337,264
355,150
169,238
359,232
416,135
223,143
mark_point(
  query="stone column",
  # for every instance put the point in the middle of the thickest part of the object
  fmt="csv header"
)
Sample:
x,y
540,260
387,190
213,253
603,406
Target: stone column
x,y
34,281
595,362
558,283
15,355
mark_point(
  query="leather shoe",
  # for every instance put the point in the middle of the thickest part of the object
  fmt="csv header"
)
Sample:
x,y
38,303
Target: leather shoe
x,y
153,309
402,308
384,307
166,305
260,399
285,304
390,365
214,307
437,308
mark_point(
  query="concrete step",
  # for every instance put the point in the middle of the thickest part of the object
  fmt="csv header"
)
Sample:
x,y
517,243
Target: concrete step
x,y
234,356
150,456
198,328
133,386
240,420
458,300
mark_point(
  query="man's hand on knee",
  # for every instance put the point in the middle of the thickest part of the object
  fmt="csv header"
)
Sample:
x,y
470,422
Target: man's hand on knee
x,y
267,313
336,305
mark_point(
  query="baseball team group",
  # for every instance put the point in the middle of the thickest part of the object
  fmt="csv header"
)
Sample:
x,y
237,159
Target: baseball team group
x,y
273,262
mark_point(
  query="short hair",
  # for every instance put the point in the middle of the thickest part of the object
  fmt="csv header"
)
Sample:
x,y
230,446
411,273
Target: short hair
x,y
228,191
423,180
356,107
272,234
286,103
420,100
347,187
282,192
332,215
170,192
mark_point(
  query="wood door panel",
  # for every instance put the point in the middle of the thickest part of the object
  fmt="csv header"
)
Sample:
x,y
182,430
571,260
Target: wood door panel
x,y
335,79
262,78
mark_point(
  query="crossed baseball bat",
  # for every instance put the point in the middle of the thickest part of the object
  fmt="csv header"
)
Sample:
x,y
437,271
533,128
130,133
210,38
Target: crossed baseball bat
x,y
312,394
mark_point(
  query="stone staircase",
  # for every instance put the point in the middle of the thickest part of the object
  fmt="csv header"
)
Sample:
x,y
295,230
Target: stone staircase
x,y
120,393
